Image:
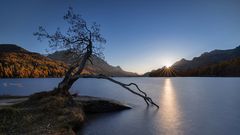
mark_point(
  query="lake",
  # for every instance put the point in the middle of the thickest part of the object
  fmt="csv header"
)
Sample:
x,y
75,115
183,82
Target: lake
x,y
188,106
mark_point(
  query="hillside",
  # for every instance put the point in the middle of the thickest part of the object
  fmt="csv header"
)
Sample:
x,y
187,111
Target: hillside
x,y
16,62
214,63
227,68
98,66
207,58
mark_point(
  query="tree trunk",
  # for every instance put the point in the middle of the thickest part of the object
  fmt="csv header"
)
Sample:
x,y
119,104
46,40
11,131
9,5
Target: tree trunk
x,y
69,79
63,88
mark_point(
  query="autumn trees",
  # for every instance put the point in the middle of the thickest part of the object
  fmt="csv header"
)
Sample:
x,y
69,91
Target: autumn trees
x,y
29,65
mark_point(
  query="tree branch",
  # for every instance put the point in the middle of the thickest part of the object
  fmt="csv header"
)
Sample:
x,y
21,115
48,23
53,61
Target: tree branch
x,y
142,94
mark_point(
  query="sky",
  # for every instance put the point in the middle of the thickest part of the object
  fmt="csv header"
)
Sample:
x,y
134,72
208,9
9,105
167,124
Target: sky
x,y
141,35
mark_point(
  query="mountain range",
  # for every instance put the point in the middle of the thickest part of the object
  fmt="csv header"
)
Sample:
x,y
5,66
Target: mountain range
x,y
98,65
17,62
214,63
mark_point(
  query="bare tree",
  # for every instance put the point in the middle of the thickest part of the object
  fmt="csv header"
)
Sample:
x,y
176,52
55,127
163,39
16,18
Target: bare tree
x,y
82,41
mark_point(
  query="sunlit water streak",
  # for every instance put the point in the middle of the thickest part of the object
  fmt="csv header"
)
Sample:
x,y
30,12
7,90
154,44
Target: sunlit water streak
x,y
170,114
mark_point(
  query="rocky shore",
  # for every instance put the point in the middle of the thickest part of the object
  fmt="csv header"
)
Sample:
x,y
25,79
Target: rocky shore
x,y
50,115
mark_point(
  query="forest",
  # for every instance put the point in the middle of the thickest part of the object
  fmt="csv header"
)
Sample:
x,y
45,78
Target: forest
x,y
29,65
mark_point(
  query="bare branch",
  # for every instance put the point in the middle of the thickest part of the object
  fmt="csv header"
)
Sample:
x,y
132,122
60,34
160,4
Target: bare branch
x,y
142,94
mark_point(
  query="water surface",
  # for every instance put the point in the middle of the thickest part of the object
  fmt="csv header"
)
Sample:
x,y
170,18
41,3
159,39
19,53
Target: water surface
x,y
199,106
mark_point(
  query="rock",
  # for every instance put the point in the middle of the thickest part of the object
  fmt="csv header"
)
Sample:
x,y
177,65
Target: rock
x,y
89,104
100,105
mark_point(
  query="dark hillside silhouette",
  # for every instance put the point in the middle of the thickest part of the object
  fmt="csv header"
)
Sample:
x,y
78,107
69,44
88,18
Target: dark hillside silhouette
x,y
225,63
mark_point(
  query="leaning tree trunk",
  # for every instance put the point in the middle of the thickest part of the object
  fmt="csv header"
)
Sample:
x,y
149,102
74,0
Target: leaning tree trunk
x,y
73,73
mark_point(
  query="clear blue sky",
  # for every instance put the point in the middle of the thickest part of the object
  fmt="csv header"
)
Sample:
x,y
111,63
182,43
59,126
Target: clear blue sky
x,y
141,34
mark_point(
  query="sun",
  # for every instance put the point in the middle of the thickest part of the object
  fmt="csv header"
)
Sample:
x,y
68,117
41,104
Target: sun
x,y
168,65
167,71
166,62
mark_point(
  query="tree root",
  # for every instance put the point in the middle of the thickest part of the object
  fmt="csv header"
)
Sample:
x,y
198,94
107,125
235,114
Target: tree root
x,y
141,93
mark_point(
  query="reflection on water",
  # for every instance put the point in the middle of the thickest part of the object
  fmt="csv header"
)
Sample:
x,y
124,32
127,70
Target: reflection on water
x,y
170,115
12,84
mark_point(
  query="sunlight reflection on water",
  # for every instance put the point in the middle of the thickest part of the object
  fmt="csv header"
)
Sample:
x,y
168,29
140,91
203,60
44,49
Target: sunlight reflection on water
x,y
170,115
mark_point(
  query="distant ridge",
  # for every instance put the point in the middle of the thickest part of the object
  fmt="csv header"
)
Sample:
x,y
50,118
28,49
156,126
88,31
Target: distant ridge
x,y
11,48
17,62
207,58
98,65
214,63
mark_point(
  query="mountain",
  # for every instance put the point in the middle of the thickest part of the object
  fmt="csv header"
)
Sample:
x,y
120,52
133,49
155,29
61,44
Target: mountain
x,y
98,65
16,62
214,63
207,58
10,48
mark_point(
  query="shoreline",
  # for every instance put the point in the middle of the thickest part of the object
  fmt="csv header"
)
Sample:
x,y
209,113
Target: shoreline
x,y
67,121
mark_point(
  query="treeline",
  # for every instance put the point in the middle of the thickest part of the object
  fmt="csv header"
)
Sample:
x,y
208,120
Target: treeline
x,y
230,68
225,68
29,65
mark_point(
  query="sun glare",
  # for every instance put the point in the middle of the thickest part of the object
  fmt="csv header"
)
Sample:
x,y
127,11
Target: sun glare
x,y
167,62
168,65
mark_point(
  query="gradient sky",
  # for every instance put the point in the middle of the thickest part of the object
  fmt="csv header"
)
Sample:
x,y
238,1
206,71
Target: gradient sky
x,y
141,34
